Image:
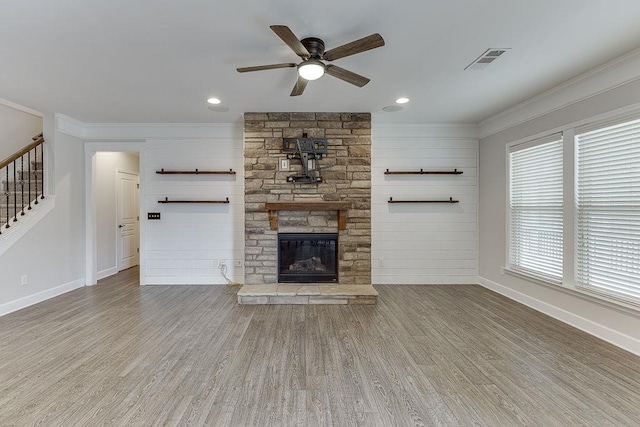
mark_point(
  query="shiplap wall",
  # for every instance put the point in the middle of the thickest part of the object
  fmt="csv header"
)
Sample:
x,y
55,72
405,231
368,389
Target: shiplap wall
x,y
411,244
424,243
185,245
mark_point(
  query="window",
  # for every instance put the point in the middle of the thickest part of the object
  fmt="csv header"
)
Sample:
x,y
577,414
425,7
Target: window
x,y
535,204
608,209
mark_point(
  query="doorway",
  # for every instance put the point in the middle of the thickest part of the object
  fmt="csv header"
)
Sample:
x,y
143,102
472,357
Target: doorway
x,y
113,194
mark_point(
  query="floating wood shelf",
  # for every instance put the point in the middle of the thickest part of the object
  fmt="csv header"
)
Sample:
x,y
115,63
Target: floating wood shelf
x,y
423,201
423,172
341,207
166,200
196,172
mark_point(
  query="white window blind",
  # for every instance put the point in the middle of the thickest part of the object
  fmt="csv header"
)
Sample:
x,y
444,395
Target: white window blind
x,y
608,209
536,207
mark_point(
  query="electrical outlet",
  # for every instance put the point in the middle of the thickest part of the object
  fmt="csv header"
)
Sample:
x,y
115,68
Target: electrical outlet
x,y
222,264
237,263
24,280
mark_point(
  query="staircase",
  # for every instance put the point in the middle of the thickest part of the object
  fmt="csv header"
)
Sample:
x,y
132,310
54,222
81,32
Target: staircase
x,y
22,177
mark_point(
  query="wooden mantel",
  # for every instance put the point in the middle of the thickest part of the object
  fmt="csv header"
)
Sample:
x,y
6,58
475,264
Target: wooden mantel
x,y
341,207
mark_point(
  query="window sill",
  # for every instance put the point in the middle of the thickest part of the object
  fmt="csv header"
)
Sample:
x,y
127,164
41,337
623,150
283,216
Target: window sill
x,y
532,277
586,294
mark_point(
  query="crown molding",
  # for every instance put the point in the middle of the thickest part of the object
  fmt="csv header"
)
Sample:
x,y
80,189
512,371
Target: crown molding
x,y
129,131
19,107
142,131
425,130
615,73
70,126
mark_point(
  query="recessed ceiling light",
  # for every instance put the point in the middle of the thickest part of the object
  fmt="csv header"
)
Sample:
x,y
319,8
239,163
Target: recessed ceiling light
x,y
402,100
392,108
213,101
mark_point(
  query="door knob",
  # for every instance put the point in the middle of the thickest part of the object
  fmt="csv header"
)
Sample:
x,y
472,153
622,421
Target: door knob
x,y
120,226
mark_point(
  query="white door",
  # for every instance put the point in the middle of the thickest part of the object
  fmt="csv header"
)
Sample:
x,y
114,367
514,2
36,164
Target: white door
x,y
128,220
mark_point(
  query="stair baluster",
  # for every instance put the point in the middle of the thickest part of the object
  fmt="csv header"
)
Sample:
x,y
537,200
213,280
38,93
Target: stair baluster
x,y
15,192
36,166
22,184
7,193
42,175
30,189
29,166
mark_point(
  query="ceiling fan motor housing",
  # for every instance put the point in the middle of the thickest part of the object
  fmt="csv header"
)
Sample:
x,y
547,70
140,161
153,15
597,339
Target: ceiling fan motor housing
x,y
315,46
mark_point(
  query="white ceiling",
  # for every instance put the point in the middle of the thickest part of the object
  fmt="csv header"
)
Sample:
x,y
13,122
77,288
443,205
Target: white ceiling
x,y
156,61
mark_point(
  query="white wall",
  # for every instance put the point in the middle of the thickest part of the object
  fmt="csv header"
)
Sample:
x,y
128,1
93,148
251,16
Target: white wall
x,y
608,322
107,165
51,253
17,127
424,243
185,245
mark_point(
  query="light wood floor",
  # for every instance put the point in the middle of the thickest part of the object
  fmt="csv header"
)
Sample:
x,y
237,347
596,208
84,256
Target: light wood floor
x,y
118,354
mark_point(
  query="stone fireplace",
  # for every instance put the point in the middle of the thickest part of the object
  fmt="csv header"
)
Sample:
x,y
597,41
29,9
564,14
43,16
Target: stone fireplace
x,y
339,205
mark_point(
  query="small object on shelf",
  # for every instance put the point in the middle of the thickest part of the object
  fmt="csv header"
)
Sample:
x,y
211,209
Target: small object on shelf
x,y
423,201
423,172
166,200
195,172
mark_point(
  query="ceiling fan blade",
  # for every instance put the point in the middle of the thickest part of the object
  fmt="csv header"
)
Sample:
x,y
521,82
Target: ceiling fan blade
x,y
290,39
301,84
266,67
366,43
346,75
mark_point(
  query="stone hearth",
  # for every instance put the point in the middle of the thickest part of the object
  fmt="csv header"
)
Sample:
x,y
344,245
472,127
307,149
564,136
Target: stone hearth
x,y
274,205
304,293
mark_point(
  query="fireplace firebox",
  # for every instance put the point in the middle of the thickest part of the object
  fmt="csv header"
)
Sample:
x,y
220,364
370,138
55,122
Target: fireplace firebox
x,y
307,257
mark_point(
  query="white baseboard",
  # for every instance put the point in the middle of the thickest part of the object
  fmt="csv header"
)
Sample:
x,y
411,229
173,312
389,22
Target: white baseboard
x,y
27,301
106,273
605,333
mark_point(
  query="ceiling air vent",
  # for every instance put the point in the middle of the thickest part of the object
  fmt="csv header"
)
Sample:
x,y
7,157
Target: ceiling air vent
x,y
489,56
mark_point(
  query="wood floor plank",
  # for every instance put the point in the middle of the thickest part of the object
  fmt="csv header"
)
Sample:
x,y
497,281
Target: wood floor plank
x,y
120,354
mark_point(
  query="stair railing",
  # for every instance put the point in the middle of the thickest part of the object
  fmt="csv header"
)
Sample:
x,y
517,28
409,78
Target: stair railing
x,y
21,187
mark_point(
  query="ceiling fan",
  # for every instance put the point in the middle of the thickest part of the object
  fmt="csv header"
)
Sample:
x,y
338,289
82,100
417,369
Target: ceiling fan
x,y
311,50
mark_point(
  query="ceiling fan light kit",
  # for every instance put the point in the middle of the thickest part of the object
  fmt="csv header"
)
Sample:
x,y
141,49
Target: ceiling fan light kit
x,y
311,69
311,50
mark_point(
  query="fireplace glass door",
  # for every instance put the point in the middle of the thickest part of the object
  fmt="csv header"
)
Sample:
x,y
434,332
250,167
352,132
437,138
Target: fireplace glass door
x,y
307,257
